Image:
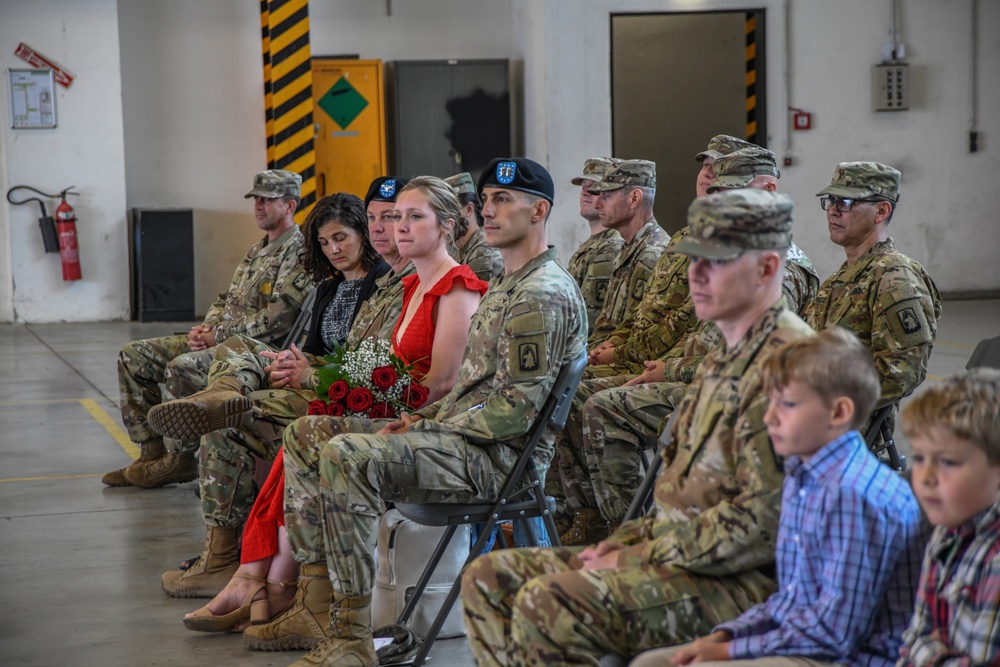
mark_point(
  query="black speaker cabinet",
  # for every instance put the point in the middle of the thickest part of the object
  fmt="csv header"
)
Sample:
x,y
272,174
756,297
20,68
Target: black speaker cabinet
x,y
161,249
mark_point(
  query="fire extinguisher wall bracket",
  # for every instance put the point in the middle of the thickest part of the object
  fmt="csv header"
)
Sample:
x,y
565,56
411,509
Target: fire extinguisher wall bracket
x,y
46,223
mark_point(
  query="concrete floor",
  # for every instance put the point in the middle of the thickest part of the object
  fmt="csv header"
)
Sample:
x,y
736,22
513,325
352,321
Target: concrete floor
x,y
80,563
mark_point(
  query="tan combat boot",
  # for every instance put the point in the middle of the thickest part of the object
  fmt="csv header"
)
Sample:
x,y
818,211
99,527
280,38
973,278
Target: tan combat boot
x,y
349,642
303,625
220,405
588,527
174,468
149,451
208,575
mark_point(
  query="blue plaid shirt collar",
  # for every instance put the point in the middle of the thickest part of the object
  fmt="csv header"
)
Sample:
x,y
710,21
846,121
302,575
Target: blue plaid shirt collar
x,y
832,455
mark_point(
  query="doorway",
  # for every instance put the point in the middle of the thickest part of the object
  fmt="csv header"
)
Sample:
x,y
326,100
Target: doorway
x,y
677,80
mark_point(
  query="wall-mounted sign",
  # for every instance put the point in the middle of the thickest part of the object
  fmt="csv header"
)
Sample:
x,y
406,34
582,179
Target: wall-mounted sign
x,y
32,98
62,75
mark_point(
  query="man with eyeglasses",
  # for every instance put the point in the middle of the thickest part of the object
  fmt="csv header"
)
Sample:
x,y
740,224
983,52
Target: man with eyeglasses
x,y
883,296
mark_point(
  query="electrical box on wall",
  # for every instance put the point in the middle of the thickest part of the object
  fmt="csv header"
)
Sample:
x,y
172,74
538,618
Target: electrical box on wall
x,y
890,87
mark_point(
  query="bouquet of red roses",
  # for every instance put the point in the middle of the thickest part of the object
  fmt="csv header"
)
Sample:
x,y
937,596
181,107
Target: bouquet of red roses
x,y
368,381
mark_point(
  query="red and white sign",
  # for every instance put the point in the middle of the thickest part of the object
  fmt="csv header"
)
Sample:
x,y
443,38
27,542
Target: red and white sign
x,y
59,73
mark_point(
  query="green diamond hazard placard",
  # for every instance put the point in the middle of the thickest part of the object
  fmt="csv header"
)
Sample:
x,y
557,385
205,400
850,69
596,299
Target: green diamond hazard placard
x,y
343,103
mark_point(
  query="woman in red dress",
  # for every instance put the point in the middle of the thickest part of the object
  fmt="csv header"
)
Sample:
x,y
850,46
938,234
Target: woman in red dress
x,y
441,290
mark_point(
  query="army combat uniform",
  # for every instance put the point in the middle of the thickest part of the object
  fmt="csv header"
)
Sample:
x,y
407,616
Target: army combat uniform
x,y
893,306
528,325
704,556
485,261
227,464
591,267
884,297
265,296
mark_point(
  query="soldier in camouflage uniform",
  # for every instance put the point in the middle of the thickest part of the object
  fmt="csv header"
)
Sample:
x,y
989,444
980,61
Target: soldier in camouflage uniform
x,y
279,393
883,296
470,245
262,301
615,418
706,551
529,324
624,202
593,262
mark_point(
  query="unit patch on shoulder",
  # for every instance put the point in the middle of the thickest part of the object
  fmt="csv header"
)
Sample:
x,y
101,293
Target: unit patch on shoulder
x,y
909,320
505,172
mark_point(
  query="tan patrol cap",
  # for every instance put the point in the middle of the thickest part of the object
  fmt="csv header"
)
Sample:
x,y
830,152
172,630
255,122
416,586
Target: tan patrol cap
x,y
594,169
726,224
275,183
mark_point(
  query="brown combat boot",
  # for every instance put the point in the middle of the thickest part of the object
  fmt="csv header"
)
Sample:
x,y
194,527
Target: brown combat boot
x,y
349,642
174,468
588,527
149,451
208,575
303,624
220,405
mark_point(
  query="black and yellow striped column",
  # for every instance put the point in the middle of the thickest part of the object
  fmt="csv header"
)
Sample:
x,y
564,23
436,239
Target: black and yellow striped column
x,y
288,102
751,76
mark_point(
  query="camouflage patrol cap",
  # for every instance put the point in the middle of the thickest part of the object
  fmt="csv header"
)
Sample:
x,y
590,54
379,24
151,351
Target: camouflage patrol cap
x,y
384,188
518,173
636,173
462,183
726,224
737,169
723,144
858,180
275,183
594,169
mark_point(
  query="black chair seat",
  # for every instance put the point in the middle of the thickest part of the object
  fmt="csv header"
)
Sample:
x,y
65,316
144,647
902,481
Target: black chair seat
x,y
449,514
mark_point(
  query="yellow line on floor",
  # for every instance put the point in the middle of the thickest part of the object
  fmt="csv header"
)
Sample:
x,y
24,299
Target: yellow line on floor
x,y
48,477
40,401
109,424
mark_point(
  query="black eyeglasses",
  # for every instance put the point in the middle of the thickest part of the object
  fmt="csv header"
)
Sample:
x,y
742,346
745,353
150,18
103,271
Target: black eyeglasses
x,y
843,205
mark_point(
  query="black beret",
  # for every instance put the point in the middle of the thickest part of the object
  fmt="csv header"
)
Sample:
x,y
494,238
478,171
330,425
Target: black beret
x,y
517,173
384,188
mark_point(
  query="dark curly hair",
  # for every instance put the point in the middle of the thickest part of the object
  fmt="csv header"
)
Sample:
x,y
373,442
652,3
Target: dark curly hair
x,y
347,210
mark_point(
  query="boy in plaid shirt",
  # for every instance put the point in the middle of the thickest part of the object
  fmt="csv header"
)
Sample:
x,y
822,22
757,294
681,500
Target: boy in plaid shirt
x,y
850,536
954,429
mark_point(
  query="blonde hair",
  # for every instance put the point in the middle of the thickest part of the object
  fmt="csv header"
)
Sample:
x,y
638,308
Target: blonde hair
x,y
833,363
967,405
441,198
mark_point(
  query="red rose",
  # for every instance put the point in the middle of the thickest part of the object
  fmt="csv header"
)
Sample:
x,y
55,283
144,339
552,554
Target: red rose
x,y
317,407
415,395
335,410
384,377
381,410
360,399
338,390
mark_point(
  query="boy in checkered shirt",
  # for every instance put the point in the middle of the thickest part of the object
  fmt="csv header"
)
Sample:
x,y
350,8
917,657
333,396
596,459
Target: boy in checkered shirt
x,y
954,430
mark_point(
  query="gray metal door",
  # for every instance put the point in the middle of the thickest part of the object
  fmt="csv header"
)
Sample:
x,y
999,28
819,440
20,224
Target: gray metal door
x,y
677,80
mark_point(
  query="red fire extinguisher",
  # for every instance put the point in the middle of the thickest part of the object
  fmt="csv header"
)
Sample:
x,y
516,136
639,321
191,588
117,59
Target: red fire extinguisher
x,y
69,250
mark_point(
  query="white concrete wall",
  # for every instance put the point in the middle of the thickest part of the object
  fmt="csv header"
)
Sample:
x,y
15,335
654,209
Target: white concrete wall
x,y
192,119
946,219
86,150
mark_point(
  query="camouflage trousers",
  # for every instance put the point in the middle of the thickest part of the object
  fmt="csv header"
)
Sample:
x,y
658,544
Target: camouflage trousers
x,y
228,456
598,458
662,657
155,370
618,425
338,476
538,607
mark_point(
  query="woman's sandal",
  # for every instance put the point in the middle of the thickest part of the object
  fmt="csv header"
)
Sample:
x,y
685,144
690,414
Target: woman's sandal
x,y
262,613
205,621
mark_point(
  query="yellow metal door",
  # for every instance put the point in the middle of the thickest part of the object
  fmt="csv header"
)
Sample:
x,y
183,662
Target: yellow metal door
x,y
350,124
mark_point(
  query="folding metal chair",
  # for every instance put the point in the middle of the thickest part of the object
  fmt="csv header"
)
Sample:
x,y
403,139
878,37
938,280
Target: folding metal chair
x,y
301,322
886,450
516,501
986,354
643,498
